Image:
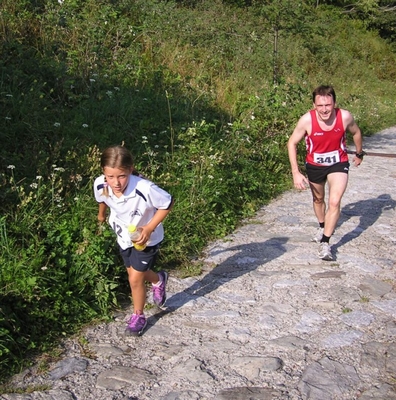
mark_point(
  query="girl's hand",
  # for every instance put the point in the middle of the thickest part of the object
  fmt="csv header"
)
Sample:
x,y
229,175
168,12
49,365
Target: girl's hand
x,y
101,227
145,234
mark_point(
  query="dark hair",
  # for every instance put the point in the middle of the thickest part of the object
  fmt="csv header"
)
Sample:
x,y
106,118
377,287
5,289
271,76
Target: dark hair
x,y
116,157
324,90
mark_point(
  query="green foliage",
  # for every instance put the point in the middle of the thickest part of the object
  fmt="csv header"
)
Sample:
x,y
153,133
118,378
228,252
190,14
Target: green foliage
x,y
218,178
57,272
204,93
378,15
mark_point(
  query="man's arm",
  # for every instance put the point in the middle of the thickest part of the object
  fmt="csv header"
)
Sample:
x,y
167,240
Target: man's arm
x,y
352,127
299,180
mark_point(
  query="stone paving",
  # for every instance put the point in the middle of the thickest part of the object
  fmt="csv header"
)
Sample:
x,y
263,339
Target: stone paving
x,y
267,319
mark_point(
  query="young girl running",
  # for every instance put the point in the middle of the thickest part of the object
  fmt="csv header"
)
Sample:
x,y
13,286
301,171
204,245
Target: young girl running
x,y
134,200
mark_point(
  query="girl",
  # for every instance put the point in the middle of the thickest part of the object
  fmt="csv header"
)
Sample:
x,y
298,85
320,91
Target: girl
x,y
134,200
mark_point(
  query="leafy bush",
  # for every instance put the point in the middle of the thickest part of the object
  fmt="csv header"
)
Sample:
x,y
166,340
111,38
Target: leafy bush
x,y
57,272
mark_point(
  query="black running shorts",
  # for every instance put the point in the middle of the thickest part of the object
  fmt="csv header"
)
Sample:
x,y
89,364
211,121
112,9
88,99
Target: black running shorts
x,y
319,174
140,261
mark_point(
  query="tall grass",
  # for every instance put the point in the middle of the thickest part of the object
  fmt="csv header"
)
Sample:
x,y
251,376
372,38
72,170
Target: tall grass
x,y
190,91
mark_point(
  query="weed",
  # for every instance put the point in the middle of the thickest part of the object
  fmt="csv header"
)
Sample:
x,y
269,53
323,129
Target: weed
x,y
86,351
192,269
8,389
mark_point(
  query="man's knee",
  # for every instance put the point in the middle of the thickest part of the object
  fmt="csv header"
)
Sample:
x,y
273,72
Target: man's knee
x,y
335,203
318,200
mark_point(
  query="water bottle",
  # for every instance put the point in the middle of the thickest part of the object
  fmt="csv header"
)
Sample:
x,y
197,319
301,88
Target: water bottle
x,y
134,234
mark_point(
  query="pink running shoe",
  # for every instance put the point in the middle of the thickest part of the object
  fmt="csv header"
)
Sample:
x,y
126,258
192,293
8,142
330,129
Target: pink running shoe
x,y
136,325
159,292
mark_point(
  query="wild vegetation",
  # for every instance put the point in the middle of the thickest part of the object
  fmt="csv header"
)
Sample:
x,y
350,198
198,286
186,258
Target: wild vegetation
x,y
204,93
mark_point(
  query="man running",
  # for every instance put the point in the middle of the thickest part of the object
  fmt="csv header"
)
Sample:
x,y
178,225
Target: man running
x,y
324,130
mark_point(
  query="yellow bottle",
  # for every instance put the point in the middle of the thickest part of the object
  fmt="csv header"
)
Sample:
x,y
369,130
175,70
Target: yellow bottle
x,y
134,234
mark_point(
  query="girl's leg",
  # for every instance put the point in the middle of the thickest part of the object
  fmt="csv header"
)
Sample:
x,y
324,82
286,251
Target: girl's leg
x,y
137,281
151,276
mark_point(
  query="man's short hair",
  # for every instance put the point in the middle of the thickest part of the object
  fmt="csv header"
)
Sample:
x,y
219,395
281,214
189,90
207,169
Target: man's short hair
x,y
324,90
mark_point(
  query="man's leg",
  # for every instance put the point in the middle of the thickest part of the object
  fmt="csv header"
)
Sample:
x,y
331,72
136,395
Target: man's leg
x,y
337,184
319,205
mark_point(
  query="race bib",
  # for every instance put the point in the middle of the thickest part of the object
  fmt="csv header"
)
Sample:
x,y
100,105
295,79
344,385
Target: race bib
x,y
326,159
121,230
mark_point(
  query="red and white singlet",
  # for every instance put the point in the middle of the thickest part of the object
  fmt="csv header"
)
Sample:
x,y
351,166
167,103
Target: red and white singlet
x,y
325,148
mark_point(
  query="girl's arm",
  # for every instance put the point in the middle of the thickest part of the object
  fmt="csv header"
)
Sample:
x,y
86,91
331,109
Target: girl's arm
x,y
102,212
148,229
